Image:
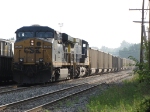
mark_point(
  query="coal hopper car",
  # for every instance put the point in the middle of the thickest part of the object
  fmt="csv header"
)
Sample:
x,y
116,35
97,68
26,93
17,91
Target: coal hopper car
x,y
6,57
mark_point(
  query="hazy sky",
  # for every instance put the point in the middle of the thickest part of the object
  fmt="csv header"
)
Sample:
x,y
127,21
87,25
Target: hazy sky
x,y
100,22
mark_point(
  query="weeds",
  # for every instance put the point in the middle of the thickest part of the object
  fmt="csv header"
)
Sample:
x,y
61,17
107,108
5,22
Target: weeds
x,y
68,103
130,97
45,110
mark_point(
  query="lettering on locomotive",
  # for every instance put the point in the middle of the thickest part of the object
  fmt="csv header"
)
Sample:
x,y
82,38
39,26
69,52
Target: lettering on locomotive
x,y
32,49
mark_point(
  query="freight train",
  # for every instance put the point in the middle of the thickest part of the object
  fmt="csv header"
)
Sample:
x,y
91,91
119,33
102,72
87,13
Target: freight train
x,y
42,54
6,57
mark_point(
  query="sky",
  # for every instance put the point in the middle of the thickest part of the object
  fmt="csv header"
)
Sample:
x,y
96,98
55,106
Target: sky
x,y
100,22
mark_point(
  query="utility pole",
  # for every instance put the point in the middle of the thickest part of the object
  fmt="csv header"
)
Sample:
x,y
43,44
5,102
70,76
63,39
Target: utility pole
x,y
60,25
141,49
142,25
149,39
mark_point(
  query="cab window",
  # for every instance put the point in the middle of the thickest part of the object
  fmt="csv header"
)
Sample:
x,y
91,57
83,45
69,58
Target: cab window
x,y
25,34
44,34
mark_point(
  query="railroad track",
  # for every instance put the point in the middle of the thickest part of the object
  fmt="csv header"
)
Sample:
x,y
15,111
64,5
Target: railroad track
x,y
36,103
7,88
16,88
10,86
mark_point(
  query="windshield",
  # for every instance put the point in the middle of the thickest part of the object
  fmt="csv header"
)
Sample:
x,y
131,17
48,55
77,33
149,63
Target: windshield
x,y
25,34
44,34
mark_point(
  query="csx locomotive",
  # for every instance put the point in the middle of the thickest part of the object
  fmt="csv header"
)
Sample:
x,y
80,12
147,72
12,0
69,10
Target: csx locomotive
x,y
42,54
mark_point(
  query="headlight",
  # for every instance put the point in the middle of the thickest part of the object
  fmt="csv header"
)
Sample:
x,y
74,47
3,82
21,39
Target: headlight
x,y
40,59
21,59
31,42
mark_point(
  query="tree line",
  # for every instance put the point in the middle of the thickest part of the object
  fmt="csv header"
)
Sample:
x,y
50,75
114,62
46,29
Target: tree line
x,y
125,50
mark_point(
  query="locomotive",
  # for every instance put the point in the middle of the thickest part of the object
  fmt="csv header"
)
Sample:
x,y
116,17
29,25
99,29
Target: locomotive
x,y
42,54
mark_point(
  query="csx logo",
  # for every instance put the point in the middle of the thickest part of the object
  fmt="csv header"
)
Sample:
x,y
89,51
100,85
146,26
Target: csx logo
x,y
32,49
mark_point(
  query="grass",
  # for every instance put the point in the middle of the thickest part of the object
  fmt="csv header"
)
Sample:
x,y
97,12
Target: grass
x,y
131,96
69,103
45,110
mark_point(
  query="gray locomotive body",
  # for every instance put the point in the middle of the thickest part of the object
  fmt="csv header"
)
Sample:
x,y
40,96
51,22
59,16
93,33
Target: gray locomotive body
x,y
70,57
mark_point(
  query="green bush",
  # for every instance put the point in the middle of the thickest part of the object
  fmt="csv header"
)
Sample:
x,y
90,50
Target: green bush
x,y
128,97
143,68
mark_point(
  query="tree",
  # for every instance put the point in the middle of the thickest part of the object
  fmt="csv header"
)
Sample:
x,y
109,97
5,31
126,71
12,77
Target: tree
x,y
133,50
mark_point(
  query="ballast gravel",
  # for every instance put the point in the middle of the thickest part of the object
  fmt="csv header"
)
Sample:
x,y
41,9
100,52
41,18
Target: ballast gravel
x,y
28,93
43,100
40,101
79,102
